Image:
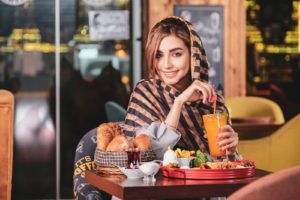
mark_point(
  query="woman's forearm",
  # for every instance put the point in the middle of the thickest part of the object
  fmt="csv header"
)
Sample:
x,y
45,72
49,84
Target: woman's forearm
x,y
172,118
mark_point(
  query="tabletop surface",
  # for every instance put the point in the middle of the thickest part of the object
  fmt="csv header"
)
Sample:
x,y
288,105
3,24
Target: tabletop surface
x,y
253,130
120,186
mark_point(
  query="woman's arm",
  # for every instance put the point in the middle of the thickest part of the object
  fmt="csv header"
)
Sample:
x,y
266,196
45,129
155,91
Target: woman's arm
x,y
196,91
172,118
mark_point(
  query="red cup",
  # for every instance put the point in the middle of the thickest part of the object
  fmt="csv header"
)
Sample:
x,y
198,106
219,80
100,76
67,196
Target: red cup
x,y
133,158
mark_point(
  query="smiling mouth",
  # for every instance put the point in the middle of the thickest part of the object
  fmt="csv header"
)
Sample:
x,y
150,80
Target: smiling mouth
x,y
170,74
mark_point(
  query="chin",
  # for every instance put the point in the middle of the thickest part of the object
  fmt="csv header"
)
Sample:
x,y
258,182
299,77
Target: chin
x,y
170,82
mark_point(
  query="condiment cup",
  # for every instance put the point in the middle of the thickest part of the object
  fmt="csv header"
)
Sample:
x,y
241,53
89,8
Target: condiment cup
x,y
184,162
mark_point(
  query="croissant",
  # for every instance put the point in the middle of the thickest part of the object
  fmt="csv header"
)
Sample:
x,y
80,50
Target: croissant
x,y
142,142
105,133
119,143
115,129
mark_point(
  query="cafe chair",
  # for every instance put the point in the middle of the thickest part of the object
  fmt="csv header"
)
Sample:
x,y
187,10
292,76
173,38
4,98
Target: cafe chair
x,y
283,184
277,151
84,160
6,142
114,112
251,107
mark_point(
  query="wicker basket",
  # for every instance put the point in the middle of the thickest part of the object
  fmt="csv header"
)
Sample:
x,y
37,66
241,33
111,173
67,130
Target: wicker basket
x,y
113,159
109,170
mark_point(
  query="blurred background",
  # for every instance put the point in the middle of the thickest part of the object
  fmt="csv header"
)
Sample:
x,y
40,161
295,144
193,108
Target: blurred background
x,y
101,58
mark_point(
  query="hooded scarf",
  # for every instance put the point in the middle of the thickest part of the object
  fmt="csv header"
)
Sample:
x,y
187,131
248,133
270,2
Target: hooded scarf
x,y
152,99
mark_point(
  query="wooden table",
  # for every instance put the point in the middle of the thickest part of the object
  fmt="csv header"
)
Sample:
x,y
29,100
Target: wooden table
x,y
252,131
254,127
165,188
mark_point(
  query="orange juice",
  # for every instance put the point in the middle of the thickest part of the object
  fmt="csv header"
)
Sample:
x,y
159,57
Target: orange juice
x,y
212,122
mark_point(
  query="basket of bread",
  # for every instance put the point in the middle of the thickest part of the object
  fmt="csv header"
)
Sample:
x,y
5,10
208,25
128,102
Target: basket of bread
x,y
113,146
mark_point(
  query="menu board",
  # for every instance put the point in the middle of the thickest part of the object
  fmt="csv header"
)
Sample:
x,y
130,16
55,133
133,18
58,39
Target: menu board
x,y
109,25
208,22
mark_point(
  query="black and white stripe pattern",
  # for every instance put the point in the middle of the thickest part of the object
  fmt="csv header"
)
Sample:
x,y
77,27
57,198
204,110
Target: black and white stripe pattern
x,y
152,99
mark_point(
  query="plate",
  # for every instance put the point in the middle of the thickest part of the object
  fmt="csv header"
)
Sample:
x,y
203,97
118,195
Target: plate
x,y
196,173
132,173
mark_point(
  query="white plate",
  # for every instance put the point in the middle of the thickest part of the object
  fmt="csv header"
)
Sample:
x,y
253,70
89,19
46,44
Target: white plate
x,y
132,173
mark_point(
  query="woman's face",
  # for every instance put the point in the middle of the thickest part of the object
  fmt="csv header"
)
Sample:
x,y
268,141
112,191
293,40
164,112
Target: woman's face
x,y
173,62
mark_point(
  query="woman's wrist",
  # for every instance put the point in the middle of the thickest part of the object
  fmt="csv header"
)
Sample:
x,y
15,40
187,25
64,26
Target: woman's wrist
x,y
172,119
178,102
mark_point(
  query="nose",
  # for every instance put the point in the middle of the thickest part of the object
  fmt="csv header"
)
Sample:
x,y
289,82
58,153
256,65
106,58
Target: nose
x,y
166,62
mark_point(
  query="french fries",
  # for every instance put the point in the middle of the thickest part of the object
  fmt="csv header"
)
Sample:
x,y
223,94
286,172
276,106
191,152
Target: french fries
x,y
184,153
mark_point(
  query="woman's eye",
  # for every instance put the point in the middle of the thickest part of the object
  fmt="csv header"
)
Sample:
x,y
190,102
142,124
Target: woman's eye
x,y
158,56
177,54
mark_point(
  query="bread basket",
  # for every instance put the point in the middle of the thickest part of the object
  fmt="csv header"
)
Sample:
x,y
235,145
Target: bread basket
x,y
118,159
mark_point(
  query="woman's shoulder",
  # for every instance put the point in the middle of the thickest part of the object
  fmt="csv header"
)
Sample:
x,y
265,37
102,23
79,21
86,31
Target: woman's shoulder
x,y
144,83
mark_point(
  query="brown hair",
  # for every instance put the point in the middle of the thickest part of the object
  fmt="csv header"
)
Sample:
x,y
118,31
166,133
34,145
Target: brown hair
x,y
161,30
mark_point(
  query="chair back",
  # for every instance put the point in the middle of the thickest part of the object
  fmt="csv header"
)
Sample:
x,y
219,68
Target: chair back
x,y
6,142
114,112
249,106
277,151
280,185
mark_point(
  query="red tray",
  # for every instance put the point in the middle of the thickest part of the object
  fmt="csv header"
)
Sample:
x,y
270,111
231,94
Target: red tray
x,y
196,173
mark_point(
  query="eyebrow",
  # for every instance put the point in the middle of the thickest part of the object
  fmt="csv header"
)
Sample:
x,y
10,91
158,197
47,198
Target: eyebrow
x,y
172,50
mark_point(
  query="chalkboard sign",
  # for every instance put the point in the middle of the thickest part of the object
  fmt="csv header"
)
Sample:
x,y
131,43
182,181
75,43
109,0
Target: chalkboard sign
x,y
109,25
208,22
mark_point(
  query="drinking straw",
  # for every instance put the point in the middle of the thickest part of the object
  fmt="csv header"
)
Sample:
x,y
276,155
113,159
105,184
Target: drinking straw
x,y
213,99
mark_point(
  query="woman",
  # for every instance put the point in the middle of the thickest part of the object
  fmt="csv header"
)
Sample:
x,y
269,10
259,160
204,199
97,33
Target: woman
x,y
168,105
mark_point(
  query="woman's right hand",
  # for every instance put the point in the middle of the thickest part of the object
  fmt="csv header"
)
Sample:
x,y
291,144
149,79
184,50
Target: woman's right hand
x,y
197,91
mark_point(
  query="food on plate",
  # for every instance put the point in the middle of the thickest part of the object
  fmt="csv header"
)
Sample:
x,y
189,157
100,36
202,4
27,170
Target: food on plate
x,y
105,133
200,158
188,159
119,143
173,165
226,165
184,153
142,142
178,158
169,157
218,165
246,163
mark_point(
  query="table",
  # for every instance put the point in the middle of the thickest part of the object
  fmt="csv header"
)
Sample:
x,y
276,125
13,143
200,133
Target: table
x,y
163,188
254,127
253,131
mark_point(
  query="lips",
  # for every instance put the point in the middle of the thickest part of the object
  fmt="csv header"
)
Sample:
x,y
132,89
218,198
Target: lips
x,y
170,74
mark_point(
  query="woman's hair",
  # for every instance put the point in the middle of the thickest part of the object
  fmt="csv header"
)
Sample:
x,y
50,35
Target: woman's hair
x,y
164,28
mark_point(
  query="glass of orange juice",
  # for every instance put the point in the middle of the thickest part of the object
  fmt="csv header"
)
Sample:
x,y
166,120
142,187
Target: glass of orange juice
x,y
212,123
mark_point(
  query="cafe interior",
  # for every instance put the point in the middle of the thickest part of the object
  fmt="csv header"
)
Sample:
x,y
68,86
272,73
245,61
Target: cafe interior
x,y
68,66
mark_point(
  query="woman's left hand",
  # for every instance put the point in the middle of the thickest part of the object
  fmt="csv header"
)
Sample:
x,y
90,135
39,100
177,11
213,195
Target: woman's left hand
x,y
228,139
